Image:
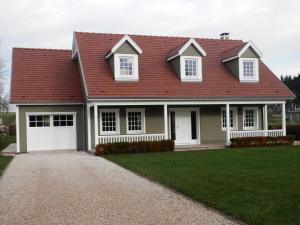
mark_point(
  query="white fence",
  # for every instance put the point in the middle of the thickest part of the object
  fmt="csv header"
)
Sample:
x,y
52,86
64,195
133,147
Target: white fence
x,y
103,139
256,133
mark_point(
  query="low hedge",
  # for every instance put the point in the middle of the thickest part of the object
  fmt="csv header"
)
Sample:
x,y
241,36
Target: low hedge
x,y
134,147
290,130
261,141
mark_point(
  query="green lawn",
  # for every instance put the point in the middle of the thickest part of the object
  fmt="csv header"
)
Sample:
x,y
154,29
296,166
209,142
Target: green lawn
x,y
6,140
4,161
255,185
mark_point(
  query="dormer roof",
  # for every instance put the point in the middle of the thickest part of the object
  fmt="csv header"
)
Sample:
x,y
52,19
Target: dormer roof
x,y
238,51
122,41
179,50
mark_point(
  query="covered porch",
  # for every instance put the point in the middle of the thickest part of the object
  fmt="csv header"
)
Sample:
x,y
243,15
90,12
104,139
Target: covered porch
x,y
186,122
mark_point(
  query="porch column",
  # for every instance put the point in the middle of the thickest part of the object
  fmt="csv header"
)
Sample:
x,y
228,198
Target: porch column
x,y
166,121
265,120
283,119
88,119
227,125
96,123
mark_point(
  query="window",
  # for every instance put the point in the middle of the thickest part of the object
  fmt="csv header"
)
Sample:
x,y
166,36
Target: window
x,y
135,121
39,121
250,118
194,125
62,120
191,68
109,121
248,69
126,67
232,118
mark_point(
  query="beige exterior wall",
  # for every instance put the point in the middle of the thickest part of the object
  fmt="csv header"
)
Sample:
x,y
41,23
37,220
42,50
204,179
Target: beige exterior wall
x,y
55,108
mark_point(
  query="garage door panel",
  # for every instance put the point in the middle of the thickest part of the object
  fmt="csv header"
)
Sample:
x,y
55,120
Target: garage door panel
x,y
51,137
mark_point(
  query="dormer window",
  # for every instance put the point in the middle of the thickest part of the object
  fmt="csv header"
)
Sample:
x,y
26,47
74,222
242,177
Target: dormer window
x,y
191,69
248,69
126,67
243,61
123,58
187,61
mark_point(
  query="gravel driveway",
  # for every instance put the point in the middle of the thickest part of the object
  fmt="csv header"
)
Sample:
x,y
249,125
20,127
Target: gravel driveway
x,y
70,187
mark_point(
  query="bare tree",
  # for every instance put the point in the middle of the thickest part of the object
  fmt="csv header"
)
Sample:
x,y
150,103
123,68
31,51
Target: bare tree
x,y
4,99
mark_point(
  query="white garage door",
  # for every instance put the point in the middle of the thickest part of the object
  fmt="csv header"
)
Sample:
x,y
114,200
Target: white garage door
x,y
51,131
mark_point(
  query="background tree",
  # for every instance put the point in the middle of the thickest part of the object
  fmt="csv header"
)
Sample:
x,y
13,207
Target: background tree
x,y
4,97
293,83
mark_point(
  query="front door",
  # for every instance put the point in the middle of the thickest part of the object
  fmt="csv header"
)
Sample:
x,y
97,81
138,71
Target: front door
x,y
184,126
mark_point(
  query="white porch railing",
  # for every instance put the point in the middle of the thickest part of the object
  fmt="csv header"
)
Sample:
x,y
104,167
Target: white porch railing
x,y
255,133
103,139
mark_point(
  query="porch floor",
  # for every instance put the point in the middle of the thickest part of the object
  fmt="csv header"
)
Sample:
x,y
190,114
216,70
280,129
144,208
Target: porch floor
x,y
179,148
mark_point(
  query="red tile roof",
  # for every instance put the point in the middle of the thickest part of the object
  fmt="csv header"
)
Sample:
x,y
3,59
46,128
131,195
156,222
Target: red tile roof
x,y
44,76
158,79
233,52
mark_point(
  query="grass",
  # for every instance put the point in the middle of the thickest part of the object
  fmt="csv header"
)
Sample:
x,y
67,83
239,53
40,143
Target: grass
x,y
255,185
6,140
4,161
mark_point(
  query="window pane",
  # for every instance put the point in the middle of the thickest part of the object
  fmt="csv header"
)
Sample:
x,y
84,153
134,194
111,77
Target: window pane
x,y
190,67
194,125
108,121
56,123
32,118
248,68
32,124
126,65
134,121
249,118
231,118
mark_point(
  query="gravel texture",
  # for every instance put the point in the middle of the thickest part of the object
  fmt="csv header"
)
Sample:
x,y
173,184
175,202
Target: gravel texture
x,y
70,187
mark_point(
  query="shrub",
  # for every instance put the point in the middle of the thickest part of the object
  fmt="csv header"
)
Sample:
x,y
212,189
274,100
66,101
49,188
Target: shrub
x,y
134,147
261,141
290,130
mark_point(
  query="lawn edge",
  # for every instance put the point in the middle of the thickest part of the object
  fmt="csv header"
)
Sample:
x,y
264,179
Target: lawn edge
x,y
4,171
229,217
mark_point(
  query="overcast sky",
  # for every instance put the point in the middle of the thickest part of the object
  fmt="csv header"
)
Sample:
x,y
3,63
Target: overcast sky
x,y
273,25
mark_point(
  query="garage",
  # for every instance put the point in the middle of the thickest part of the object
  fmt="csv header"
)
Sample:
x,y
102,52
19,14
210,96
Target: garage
x,y
51,131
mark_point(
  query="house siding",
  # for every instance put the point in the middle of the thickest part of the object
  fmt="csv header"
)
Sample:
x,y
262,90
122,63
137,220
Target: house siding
x,y
249,53
191,51
126,48
233,66
154,119
80,121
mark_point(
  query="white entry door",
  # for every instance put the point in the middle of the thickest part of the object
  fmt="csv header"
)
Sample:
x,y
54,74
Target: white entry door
x,y
51,131
184,126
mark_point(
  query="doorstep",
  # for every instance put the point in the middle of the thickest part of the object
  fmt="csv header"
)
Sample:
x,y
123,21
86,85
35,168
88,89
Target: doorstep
x,y
181,148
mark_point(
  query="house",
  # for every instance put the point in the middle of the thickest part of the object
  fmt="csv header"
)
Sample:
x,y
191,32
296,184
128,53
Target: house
x,y
115,87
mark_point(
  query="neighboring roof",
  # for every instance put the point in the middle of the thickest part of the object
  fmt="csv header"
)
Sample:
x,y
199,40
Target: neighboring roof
x,y
124,39
44,76
237,51
157,79
180,49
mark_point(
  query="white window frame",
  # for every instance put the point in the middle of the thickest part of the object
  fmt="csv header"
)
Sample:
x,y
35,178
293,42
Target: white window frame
x,y
198,68
255,77
117,113
143,124
255,110
135,68
235,118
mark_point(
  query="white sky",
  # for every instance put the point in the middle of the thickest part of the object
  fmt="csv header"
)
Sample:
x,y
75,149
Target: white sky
x,y
273,25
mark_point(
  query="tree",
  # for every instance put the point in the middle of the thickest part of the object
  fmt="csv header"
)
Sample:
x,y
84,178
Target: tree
x,y
4,99
293,83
